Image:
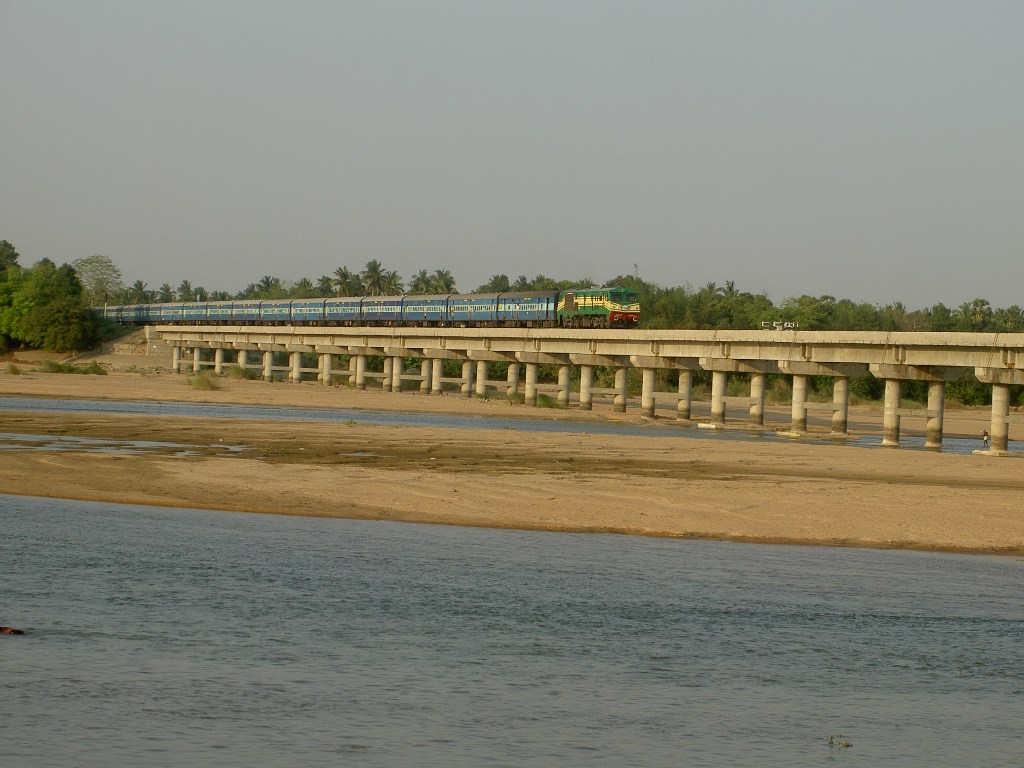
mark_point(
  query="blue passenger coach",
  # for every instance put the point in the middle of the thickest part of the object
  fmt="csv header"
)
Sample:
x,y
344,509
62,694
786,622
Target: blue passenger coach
x,y
594,308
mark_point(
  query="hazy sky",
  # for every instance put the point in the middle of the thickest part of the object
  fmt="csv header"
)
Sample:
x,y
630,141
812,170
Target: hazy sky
x,y
871,150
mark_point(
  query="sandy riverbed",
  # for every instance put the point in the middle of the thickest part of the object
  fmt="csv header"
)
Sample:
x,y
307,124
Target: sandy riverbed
x,y
804,491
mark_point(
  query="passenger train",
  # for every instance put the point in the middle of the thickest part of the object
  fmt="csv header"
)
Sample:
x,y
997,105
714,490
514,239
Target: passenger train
x,y
590,308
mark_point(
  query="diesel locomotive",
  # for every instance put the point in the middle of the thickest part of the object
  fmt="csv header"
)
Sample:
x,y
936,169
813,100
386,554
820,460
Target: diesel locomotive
x,y
589,308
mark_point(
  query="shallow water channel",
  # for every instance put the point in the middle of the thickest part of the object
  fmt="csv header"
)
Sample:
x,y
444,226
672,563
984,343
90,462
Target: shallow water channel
x,y
655,429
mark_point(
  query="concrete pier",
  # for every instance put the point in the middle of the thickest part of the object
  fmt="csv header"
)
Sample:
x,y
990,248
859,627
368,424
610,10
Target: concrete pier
x,y
936,359
684,404
621,390
425,367
513,380
360,371
719,381
840,405
936,406
481,378
757,392
647,392
798,410
586,387
564,385
436,374
891,413
398,370
999,429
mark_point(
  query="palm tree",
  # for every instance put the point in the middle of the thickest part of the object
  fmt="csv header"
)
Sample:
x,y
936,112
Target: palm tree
x,y
346,283
270,287
303,288
497,284
139,293
185,291
166,293
712,289
325,286
373,276
392,283
420,282
443,282
973,315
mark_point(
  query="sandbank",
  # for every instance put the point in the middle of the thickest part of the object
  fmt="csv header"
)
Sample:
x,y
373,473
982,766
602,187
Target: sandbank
x,y
806,491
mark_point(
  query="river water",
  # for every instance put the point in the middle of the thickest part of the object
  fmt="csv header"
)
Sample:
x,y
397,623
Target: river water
x,y
169,637
663,429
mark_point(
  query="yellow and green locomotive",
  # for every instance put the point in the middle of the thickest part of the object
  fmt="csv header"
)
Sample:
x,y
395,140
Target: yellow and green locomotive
x,y
599,308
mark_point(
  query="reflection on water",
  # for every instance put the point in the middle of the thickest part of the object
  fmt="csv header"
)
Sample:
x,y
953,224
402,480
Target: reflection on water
x,y
187,638
11,441
659,429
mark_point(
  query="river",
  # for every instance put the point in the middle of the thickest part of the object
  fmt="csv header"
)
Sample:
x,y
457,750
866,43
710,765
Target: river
x,y
171,637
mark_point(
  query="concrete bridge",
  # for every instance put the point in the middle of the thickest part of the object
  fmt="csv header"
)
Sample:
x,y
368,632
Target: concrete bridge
x,y
936,358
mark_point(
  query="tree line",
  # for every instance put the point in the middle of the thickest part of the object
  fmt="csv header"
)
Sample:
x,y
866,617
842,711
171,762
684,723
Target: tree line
x,y
46,306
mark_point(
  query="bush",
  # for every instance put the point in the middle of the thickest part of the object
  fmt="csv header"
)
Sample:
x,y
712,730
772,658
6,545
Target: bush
x,y
778,392
93,368
969,391
203,380
52,366
867,387
12,369
238,372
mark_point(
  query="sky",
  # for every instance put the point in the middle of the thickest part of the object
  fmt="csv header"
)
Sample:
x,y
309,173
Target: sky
x,y
864,149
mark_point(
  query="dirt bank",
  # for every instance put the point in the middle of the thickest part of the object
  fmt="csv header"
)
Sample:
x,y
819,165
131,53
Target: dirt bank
x,y
805,492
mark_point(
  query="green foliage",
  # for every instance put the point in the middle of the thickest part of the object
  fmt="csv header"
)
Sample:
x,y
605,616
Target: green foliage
x,y
12,369
52,366
100,278
204,380
778,391
43,307
8,255
738,385
238,372
497,284
969,391
867,387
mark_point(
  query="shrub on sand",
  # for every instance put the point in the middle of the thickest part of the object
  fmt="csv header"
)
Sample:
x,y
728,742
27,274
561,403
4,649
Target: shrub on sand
x,y
52,366
93,369
203,380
